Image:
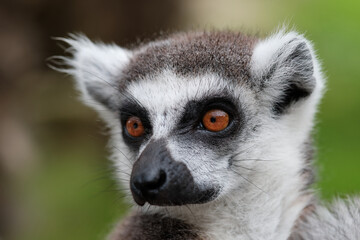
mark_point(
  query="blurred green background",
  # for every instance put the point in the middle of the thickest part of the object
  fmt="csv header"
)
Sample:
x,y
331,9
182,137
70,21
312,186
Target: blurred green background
x,y
55,180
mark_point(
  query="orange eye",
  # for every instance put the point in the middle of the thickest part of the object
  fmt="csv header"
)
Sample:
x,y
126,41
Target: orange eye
x,y
135,127
215,120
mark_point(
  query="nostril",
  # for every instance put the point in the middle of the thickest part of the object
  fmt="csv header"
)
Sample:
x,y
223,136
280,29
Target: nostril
x,y
150,182
162,178
157,181
137,183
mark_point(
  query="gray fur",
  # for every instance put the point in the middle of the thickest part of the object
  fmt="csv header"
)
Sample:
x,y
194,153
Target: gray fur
x,y
194,53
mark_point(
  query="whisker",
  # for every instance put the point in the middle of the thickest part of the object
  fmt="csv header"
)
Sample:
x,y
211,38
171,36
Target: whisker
x,y
242,151
94,180
128,96
167,211
100,78
120,152
191,212
147,208
249,182
122,172
255,159
250,169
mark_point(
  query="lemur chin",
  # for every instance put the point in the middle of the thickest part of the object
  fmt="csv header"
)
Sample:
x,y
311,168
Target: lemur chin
x,y
212,135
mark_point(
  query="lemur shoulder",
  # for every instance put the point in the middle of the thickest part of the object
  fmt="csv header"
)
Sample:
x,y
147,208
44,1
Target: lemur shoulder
x,y
212,135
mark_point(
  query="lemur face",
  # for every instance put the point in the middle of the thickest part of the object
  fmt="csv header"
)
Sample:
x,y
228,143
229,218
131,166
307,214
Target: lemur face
x,y
190,132
196,116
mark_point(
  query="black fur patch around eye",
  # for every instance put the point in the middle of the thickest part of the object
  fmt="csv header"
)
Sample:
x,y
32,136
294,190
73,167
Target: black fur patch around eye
x,y
131,108
195,110
190,128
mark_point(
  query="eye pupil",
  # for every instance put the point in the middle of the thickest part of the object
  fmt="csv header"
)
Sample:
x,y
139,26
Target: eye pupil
x,y
135,125
213,119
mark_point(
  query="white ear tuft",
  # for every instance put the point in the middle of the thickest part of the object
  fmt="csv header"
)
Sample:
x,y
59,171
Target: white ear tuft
x,y
285,67
96,68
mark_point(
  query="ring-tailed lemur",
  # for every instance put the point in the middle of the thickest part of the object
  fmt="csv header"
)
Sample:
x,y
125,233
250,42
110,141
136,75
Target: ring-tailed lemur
x,y
213,131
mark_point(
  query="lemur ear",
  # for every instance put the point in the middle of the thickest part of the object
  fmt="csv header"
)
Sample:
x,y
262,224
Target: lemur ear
x,y
96,68
283,66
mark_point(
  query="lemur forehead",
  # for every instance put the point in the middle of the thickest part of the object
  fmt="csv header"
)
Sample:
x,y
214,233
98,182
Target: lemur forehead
x,y
224,53
169,91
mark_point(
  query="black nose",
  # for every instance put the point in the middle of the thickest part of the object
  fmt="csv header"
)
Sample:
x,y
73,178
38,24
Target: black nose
x,y
150,174
158,179
150,182
154,177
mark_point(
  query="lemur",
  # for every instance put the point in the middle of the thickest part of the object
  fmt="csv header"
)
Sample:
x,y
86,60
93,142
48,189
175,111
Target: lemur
x,y
211,133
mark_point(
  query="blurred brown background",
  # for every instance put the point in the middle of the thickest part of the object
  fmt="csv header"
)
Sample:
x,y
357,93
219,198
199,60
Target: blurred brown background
x,y
55,180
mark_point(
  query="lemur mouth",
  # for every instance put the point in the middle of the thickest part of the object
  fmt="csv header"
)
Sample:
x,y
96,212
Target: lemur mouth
x,y
174,198
158,179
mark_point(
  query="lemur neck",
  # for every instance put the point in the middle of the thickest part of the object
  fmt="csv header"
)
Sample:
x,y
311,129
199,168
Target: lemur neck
x,y
258,214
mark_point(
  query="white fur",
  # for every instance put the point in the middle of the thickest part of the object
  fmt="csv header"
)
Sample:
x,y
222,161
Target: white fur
x,y
341,220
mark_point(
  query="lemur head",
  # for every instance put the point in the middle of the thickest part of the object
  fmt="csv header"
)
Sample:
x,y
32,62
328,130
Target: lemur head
x,y
197,116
